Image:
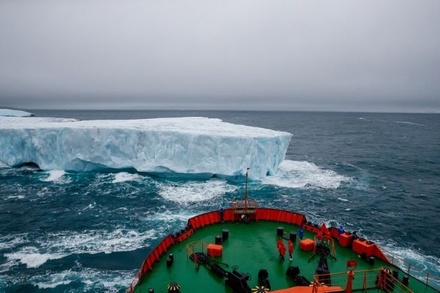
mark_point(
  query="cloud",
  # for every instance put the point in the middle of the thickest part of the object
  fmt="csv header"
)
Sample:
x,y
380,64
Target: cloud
x,y
227,54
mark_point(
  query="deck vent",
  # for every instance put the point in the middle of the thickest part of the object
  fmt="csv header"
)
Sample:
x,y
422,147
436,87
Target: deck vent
x,y
225,234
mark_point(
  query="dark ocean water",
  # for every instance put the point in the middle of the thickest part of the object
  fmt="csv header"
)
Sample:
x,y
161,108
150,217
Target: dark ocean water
x,y
377,174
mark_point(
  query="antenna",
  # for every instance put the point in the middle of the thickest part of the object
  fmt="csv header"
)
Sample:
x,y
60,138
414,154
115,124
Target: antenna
x,y
246,191
245,208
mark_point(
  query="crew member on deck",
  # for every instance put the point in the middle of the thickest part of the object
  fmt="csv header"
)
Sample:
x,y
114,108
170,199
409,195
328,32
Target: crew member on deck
x,y
281,249
340,230
290,245
301,232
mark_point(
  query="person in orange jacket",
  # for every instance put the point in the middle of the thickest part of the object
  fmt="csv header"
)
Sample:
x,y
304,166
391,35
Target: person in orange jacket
x,y
281,249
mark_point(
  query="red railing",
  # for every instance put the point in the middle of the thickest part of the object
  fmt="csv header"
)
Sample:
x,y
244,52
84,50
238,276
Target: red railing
x,y
362,280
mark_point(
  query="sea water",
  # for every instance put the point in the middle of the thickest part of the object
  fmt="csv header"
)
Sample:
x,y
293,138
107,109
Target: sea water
x,y
376,174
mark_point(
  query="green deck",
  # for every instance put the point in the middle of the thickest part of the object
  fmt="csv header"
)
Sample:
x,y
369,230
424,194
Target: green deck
x,y
249,248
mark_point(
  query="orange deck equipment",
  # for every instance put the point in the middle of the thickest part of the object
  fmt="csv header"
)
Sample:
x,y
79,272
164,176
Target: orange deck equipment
x,y
345,239
361,246
215,250
307,244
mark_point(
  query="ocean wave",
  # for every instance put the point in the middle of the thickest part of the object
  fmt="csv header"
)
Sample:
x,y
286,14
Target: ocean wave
x,y
85,279
305,175
409,123
10,241
31,257
126,177
193,191
35,252
57,176
420,265
15,197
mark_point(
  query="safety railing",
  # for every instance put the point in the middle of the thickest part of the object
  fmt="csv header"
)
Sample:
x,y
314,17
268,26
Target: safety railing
x,y
193,248
381,279
413,270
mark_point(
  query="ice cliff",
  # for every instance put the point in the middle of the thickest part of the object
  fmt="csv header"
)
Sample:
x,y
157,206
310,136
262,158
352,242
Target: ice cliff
x,y
14,113
190,145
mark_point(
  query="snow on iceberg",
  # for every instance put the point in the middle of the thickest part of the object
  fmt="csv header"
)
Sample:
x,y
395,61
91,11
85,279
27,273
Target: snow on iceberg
x,y
14,113
189,145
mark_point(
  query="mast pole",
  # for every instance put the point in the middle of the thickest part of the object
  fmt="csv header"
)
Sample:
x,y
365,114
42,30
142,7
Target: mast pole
x,y
246,192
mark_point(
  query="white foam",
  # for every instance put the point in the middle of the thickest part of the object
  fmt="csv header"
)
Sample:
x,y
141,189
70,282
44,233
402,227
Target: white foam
x,y
5,267
15,197
31,257
409,123
91,206
52,283
126,177
96,241
10,241
169,216
420,264
56,176
59,245
114,283
301,174
194,191
108,281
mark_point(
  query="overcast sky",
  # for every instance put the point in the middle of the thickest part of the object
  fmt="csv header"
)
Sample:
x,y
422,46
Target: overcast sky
x,y
364,55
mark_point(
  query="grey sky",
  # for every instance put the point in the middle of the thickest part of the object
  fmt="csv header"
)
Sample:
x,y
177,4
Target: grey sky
x,y
366,55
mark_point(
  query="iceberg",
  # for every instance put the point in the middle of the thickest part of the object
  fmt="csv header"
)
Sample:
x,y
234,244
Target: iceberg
x,y
14,113
188,145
